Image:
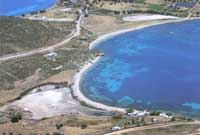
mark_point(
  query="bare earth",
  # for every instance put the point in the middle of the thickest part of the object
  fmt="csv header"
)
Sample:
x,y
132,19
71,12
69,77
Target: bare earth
x,y
48,101
163,125
102,24
49,126
65,76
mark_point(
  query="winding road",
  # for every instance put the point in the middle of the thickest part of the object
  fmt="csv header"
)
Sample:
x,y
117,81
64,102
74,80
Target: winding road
x,y
72,35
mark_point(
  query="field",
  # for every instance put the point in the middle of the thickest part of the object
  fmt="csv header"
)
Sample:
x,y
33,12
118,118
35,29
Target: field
x,y
71,125
125,8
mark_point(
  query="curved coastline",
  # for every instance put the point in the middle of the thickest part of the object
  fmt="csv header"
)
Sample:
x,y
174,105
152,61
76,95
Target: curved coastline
x,y
76,86
118,32
79,95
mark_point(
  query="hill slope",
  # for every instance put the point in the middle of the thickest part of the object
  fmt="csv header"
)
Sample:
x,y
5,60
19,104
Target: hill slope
x,y
17,35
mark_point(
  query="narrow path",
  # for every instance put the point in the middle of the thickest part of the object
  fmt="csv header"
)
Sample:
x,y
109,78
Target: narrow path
x,y
73,34
163,125
47,19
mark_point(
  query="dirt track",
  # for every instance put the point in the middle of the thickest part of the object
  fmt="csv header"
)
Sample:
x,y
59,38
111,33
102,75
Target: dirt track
x,y
73,34
150,127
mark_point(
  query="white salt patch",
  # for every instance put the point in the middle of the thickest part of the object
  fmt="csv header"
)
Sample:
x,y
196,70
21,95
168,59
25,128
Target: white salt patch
x,y
146,17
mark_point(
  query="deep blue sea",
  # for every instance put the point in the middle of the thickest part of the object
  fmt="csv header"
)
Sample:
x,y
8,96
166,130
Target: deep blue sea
x,y
19,7
155,68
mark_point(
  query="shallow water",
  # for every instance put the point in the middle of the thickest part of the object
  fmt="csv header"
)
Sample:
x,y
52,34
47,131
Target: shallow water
x,y
19,7
156,67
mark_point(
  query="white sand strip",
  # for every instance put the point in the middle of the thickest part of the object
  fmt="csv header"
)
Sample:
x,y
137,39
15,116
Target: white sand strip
x,y
147,17
77,92
118,32
76,87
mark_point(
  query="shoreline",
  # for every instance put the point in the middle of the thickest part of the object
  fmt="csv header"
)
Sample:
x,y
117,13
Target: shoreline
x,y
77,78
81,98
118,32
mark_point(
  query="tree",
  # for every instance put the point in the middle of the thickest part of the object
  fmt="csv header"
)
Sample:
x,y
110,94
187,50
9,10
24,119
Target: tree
x,y
155,113
59,125
129,110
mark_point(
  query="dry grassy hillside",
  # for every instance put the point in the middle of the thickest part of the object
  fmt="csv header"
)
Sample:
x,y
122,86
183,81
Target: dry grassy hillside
x,y
17,35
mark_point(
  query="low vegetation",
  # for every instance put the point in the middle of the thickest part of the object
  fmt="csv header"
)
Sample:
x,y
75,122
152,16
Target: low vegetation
x,y
15,116
18,35
172,130
180,8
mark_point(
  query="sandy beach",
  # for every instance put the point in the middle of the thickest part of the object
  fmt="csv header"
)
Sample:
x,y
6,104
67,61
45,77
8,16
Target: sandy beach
x,y
109,35
76,87
147,17
77,92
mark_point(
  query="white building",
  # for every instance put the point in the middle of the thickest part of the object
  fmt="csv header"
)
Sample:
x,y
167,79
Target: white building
x,y
116,128
164,115
136,113
51,55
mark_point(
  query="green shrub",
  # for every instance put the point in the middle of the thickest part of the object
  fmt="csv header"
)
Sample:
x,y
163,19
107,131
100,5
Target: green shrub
x,y
139,1
155,113
169,113
59,125
117,117
155,7
129,110
83,126
15,116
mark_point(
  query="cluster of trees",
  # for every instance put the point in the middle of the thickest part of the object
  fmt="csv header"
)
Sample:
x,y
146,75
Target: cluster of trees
x,y
150,11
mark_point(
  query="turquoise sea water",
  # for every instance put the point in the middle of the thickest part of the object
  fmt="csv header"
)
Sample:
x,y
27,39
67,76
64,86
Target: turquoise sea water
x,y
19,7
156,68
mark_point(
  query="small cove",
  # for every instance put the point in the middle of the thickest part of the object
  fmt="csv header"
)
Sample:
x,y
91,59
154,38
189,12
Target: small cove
x,y
155,68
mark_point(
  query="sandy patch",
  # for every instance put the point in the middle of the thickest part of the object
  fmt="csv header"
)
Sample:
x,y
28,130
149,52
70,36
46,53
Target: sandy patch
x,y
77,92
103,24
146,17
65,76
48,101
